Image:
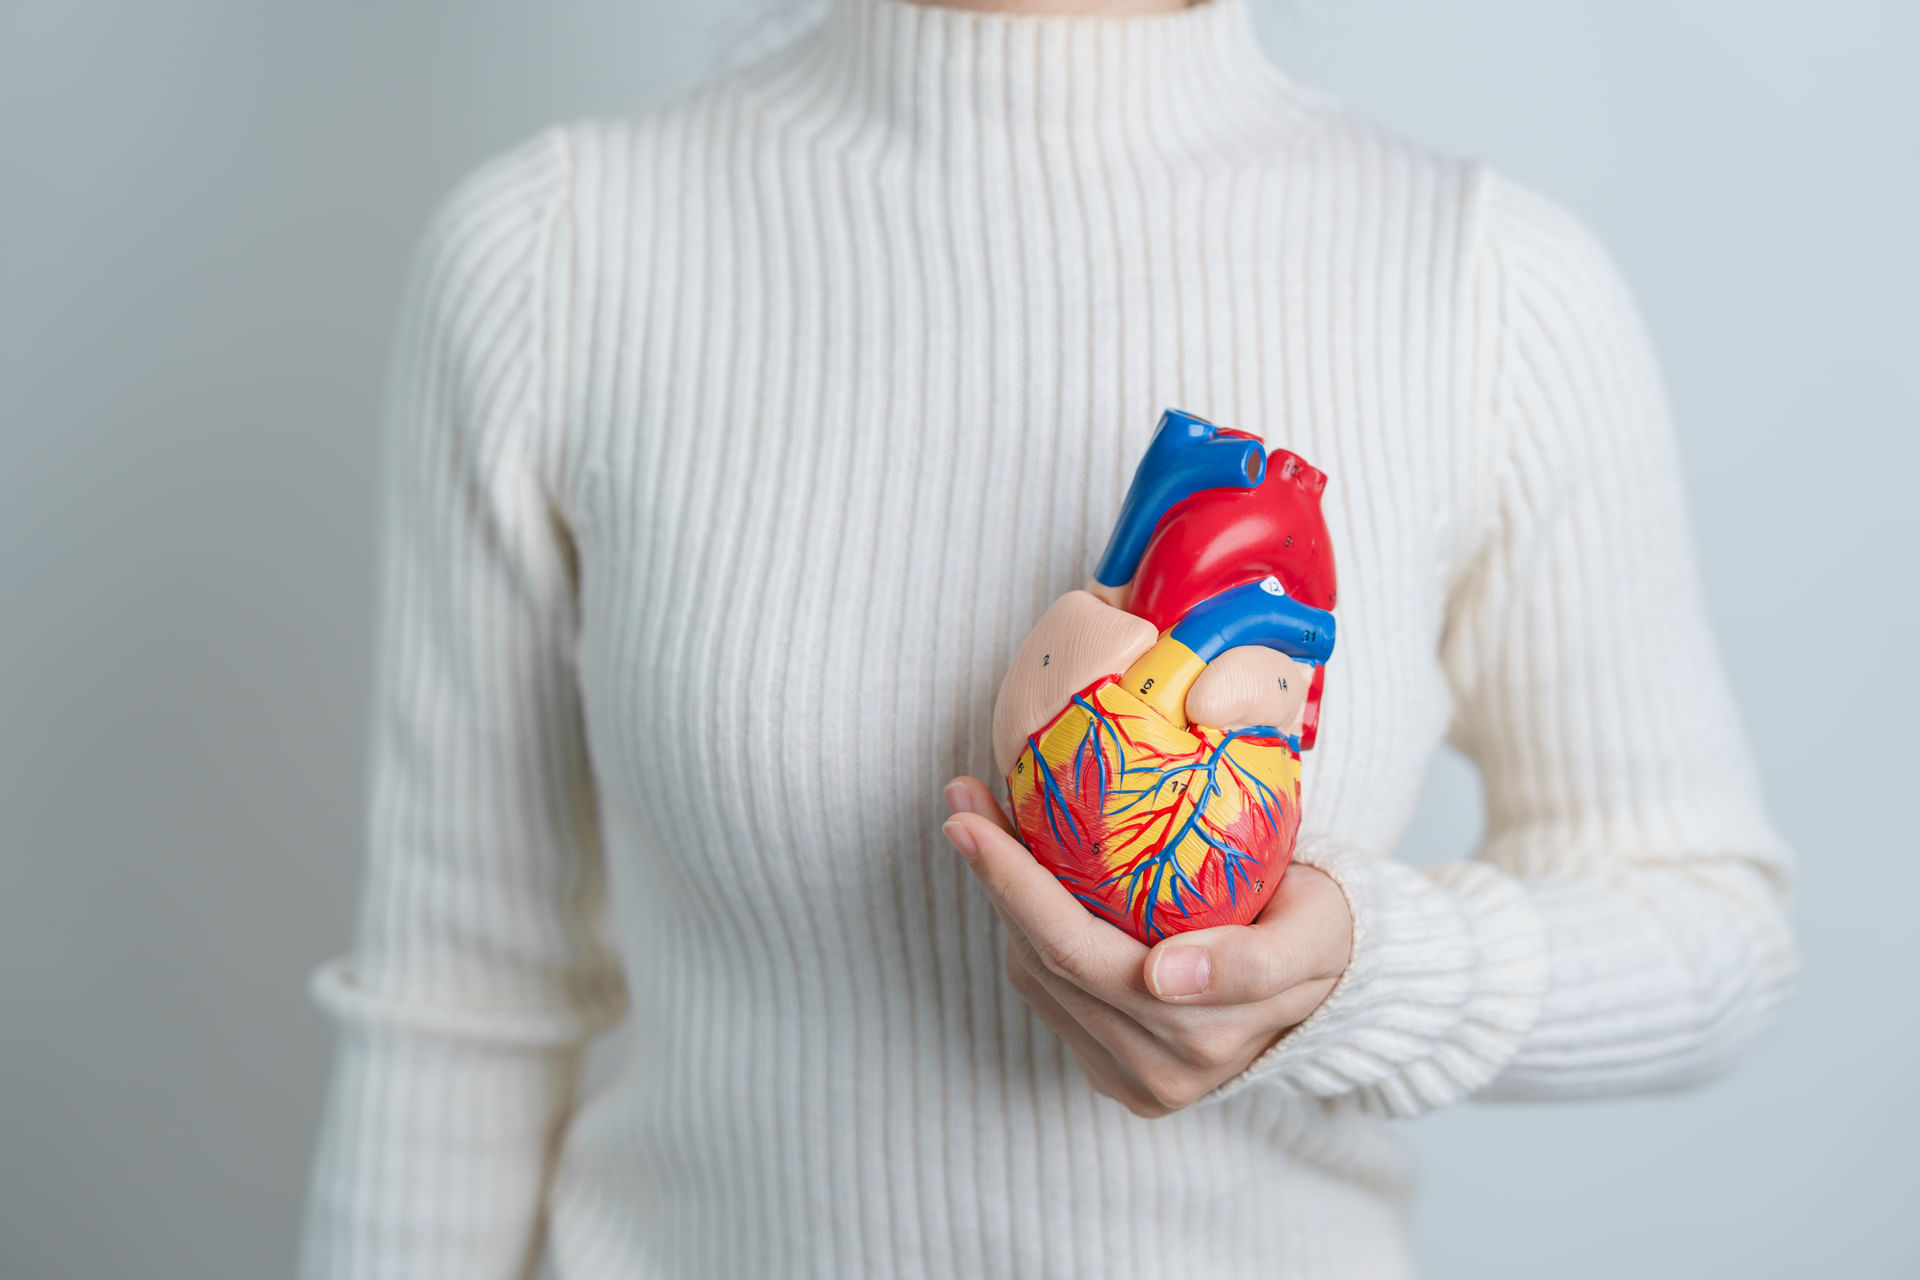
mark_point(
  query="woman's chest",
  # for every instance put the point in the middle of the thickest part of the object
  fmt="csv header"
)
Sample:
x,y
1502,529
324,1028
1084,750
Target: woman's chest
x,y
799,624
833,480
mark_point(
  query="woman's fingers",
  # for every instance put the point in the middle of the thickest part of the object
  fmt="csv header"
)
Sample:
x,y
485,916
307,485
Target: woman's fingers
x,y
970,795
1112,1073
1078,972
1105,1070
1303,937
1108,1020
1068,941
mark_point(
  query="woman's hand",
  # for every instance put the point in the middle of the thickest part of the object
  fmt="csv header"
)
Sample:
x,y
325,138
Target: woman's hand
x,y
1155,1028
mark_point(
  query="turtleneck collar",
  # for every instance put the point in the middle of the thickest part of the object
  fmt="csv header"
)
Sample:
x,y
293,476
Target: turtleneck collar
x,y
1153,79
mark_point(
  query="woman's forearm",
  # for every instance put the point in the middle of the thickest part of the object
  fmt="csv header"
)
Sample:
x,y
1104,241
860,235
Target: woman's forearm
x,y
1658,976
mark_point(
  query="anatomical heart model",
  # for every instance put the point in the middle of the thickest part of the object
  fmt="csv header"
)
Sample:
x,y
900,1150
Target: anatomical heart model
x,y
1156,824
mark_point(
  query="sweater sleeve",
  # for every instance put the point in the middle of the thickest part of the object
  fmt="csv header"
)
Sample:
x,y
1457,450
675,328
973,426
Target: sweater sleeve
x,y
479,970
1622,926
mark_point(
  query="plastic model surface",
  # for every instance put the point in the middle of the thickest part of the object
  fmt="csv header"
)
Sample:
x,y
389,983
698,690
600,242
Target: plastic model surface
x,y
1157,824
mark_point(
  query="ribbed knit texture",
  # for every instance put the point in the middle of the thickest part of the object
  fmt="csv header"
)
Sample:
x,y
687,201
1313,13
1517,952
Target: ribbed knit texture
x,y
731,452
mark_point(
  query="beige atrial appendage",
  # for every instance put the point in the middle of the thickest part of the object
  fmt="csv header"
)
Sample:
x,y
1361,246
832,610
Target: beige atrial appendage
x,y
1078,639
1251,685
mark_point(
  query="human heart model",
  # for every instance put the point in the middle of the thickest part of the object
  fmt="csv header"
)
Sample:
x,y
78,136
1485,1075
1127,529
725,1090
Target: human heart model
x,y
1156,824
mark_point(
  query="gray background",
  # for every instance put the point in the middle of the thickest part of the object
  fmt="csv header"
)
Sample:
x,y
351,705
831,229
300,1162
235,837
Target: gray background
x,y
205,210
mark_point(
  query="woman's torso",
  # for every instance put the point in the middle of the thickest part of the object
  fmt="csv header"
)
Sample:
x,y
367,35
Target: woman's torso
x,y
848,391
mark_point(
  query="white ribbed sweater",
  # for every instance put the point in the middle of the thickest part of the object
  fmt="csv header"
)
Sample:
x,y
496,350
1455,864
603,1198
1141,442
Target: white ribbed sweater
x,y
732,451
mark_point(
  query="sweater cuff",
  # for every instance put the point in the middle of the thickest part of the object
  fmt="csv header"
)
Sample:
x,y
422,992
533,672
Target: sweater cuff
x,y
439,1135
1447,975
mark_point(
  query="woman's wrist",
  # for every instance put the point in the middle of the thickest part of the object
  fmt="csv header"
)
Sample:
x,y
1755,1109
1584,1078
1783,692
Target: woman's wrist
x,y
1447,971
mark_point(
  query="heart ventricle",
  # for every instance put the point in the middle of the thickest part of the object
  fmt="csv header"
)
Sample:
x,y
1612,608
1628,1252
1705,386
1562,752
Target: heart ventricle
x,y
1155,826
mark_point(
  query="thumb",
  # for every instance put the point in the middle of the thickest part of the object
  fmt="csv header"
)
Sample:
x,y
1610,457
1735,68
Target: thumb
x,y
967,794
1227,964
1304,935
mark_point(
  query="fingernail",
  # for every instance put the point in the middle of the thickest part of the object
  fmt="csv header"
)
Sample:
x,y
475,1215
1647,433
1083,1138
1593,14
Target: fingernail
x,y
1181,971
961,839
959,799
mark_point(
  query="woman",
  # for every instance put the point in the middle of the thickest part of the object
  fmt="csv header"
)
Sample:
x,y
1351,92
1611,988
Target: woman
x,y
733,451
